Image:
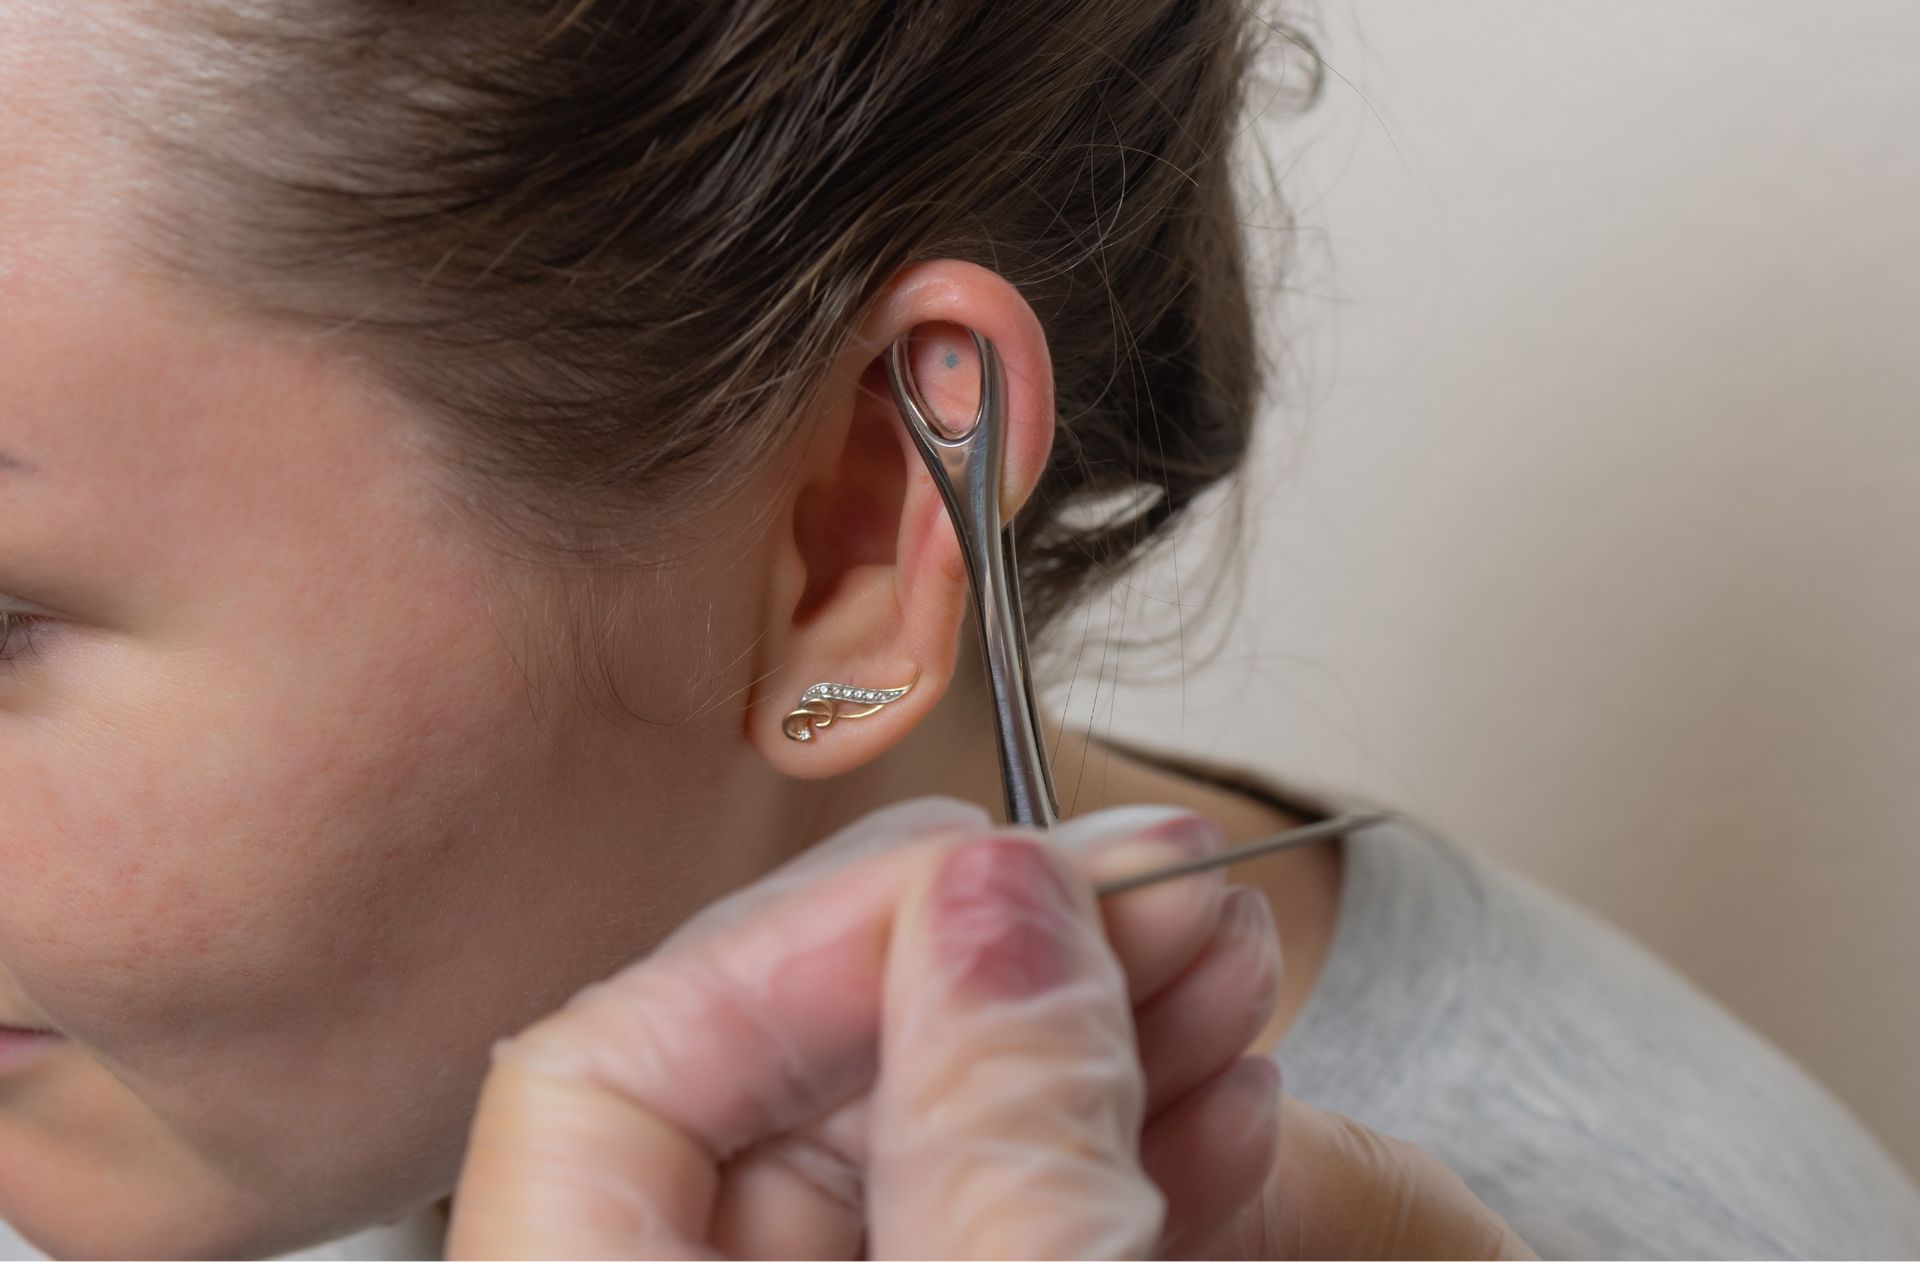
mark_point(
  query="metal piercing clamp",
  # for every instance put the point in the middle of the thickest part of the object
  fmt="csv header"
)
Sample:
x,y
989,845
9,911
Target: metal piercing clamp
x,y
967,465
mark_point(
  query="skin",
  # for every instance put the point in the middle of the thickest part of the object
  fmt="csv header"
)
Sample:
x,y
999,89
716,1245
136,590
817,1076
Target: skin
x,y
302,807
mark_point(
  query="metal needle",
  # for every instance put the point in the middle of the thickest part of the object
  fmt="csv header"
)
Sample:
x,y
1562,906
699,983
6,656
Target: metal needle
x,y
1279,841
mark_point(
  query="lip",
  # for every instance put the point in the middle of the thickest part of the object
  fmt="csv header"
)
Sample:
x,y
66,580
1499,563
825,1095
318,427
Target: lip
x,y
18,1045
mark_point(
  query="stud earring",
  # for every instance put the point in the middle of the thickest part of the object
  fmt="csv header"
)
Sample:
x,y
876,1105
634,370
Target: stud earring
x,y
821,704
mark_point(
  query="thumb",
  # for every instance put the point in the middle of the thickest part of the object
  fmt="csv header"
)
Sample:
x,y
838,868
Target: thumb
x,y
1007,1114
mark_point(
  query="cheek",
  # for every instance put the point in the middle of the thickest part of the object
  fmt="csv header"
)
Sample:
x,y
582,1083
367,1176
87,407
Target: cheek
x,y
243,849
288,899
252,898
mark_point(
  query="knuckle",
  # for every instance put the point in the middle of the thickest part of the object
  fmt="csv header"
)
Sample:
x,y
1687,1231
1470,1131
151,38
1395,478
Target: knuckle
x,y
1362,1144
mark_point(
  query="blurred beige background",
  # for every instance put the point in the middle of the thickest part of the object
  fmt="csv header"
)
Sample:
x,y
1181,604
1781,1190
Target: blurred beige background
x,y
1589,513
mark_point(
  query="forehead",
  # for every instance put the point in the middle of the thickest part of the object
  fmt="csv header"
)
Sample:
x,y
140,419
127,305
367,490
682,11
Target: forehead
x,y
66,176
62,67
61,184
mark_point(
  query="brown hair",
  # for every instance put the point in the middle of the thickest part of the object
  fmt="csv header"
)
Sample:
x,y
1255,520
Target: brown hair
x,y
611,246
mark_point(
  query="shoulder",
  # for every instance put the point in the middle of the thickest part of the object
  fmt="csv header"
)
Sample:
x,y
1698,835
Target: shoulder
x,y
1585,1089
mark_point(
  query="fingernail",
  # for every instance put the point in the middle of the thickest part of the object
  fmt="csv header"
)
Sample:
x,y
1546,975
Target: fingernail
x,y
1132,840
1194,834
1002,918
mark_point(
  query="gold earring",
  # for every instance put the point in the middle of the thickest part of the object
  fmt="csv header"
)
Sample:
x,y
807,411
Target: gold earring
x,y
820,705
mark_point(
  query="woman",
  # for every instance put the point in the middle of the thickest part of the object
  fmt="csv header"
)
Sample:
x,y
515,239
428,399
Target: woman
x,y
443,445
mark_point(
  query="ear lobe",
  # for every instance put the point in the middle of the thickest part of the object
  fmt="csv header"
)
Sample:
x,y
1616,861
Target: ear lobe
x,y
871,588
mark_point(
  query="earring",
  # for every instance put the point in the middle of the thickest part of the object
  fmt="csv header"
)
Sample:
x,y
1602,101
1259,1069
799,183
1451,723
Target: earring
x,y
820,706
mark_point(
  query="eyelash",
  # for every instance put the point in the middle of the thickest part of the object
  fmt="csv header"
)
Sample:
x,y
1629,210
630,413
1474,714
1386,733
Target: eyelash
x,y
9,623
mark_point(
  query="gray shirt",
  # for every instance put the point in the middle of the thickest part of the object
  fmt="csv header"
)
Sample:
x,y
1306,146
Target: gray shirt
x,y
1583,1089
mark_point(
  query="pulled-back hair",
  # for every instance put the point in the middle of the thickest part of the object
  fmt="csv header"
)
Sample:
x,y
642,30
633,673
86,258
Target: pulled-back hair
x,y
611,247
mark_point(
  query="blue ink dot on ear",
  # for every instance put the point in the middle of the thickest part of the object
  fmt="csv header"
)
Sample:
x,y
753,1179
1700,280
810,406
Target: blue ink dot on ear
x,y
953,360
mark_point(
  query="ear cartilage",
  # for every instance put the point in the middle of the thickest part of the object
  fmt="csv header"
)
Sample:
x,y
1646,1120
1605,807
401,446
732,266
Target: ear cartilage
x,y
821,704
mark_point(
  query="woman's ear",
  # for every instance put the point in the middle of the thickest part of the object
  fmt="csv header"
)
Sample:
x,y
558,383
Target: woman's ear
x,y
868,584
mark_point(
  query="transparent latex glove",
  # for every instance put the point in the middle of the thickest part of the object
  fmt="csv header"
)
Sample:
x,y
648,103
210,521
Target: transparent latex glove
x,y
1341,1190
799,1070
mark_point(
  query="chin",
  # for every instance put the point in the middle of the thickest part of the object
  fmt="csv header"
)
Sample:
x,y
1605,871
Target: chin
x,y
111,1235
77,1216
92,1235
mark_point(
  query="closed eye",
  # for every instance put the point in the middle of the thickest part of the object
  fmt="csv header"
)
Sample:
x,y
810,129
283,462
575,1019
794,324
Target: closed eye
x,y
16,634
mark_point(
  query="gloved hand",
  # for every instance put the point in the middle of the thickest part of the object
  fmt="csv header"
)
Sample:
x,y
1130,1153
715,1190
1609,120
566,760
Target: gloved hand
x,y
1341,1190
875,1048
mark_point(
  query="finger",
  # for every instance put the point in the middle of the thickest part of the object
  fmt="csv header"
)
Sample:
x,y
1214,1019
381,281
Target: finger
x,y
1208,1016
1342,1190
1211,1153
1007,1116
820,1168
558,1167
800,1195
789,1197
1156,930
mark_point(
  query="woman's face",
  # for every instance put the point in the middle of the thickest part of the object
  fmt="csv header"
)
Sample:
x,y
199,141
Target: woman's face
x,y
297,817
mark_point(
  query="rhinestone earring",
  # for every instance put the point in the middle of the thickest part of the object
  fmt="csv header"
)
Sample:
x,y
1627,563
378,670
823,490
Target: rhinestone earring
x,y
821,704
